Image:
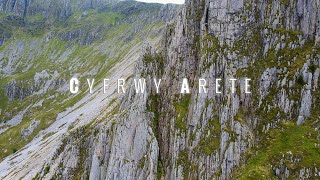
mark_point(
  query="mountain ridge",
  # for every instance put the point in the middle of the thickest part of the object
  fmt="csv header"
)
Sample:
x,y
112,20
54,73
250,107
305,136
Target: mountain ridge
x,y
272,133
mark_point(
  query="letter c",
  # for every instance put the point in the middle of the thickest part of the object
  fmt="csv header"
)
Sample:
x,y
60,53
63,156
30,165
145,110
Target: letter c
x,y
74,81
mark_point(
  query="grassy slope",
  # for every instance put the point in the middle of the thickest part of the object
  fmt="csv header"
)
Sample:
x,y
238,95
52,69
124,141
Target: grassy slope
x,y
282,146
85,57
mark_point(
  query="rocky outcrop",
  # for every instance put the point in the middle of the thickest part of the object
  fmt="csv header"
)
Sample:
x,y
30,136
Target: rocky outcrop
x,y
15,92
42,82
29,130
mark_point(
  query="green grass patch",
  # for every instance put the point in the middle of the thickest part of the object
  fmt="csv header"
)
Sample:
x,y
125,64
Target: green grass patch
x,y
279,145
210,144
181,112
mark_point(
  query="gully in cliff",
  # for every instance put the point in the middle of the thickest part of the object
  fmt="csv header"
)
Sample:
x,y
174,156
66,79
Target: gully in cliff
x,y
140,85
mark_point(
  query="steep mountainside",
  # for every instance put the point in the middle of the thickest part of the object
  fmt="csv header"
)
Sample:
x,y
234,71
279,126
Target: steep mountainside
x,y
38,57
274,132
58,10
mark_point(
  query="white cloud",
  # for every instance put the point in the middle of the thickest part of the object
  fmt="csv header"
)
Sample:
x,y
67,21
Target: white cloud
x,y
163,1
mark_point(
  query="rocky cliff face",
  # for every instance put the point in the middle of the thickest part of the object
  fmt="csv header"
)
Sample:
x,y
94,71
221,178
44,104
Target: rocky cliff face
x,y
54,9
271,133
276,44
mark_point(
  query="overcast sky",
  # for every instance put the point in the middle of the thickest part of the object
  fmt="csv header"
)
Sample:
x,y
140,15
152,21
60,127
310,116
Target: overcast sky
x,y
164,1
